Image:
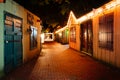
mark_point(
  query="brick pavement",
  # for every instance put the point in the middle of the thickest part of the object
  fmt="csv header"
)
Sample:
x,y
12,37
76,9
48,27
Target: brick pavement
x,y
58,62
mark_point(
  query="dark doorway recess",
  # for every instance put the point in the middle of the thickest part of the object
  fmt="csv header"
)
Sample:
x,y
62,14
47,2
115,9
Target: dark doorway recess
x,y
87,37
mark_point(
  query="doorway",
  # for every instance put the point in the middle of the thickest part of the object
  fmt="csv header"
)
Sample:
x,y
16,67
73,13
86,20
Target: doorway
x,y
87,37
12,42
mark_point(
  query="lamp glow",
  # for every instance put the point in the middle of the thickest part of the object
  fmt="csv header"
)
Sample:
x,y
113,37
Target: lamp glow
x,y
42,38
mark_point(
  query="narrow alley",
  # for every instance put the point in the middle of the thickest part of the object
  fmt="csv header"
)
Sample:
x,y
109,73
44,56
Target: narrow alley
x,y
59,62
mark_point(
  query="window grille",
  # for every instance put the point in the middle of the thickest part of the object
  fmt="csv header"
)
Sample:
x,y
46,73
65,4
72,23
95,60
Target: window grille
x,y
106,31
73,34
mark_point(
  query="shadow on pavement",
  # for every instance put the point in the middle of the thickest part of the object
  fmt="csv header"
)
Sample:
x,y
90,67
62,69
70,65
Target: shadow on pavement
x,y
22,72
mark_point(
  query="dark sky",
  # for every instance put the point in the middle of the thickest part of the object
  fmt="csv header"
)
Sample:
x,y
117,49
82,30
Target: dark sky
x,y
56,12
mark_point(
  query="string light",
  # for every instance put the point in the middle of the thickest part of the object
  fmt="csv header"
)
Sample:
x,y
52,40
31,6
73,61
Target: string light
x,y
62,29
110,5
83,18
95,12
91,14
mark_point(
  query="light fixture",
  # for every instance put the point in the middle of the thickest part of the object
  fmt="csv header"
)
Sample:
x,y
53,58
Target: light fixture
x,y
29,30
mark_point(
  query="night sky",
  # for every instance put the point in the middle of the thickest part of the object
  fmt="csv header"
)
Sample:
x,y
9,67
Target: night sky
x,y
56,12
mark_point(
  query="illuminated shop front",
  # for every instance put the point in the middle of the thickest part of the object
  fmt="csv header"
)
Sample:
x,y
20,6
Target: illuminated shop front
x,y
97,33
62,35
48,37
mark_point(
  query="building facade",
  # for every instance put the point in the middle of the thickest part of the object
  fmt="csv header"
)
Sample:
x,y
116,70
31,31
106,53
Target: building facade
x,y
97,33
62,35
19,36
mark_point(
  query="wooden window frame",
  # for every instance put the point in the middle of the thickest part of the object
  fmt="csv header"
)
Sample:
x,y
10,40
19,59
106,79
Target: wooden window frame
x,y
33,38
106,26
73,34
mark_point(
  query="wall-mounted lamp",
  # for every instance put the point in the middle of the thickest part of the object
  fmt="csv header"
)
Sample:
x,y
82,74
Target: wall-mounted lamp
x,y
29,30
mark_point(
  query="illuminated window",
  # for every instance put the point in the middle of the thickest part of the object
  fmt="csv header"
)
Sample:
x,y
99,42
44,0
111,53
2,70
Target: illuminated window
x,y
106,31
73,34
49,37
33,38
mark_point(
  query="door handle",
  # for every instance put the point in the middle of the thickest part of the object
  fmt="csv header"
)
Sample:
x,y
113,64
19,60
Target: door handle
x,y
6,41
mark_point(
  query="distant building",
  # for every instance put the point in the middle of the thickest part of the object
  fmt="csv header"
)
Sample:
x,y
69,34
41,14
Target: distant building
x,y
48,37
62,35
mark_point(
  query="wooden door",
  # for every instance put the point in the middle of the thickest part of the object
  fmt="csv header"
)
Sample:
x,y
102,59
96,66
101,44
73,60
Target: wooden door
x,y
86,37
12,42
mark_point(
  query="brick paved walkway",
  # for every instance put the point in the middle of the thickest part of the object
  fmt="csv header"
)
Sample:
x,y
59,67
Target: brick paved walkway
x,y
58,62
